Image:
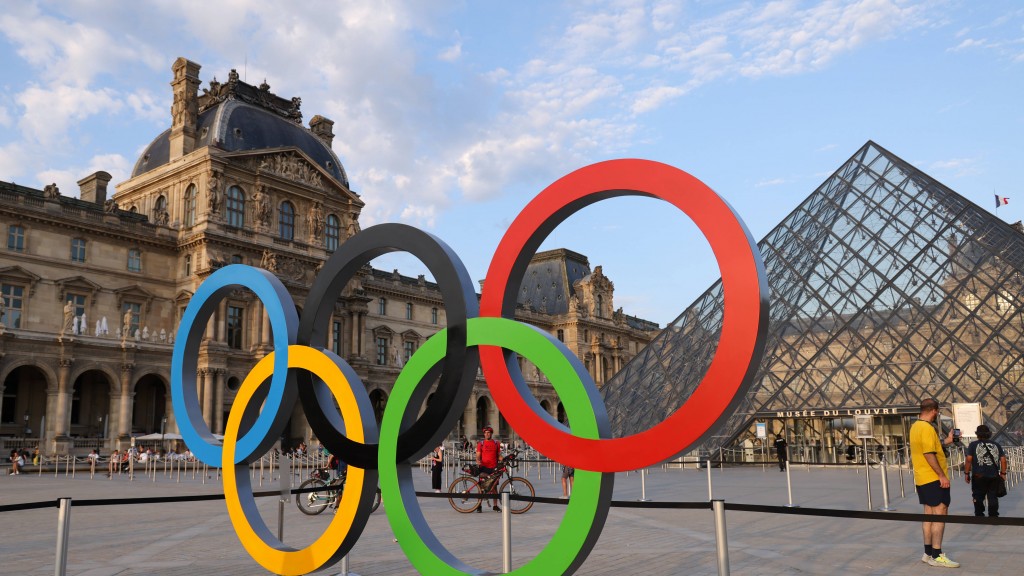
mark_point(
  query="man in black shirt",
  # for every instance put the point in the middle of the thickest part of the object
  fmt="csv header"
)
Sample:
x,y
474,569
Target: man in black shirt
x,y
984,469
780,451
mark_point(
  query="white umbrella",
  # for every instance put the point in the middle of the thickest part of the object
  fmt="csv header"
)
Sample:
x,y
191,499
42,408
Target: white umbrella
x,y
159,436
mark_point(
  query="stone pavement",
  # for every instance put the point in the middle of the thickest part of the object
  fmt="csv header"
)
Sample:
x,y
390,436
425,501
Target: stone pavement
x,y
196,538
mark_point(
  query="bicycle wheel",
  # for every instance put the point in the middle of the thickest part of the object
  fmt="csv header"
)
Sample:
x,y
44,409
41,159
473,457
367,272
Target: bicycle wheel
x,y
376,501
313,503
464,486
518,486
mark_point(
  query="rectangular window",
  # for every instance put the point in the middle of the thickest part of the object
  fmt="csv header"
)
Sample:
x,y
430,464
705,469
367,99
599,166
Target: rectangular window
x,y
561,335
336,338
78,301
136,309
135,260
13,303
408,311
77,250
16,238
382,306
433,316
410,347
234,327
188,264
382,351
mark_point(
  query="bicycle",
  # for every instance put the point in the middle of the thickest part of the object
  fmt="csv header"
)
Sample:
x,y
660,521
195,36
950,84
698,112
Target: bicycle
x,y
462,489
313,503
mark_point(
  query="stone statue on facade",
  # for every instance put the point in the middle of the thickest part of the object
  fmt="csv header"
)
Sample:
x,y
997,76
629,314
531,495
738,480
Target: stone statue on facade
x,y
83,327
51,191
126,325
213,192
110,206
261,201
396,356
145,332
316,219
69,318
269,261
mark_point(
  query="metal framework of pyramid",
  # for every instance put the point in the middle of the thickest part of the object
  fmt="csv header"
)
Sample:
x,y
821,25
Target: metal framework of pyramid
x,y
886,287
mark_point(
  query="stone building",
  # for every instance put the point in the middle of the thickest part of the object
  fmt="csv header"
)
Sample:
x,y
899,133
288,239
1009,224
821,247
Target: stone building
x,y
93,287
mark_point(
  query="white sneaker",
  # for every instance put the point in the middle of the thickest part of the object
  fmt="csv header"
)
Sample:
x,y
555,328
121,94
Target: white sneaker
x,y
943,561
925,558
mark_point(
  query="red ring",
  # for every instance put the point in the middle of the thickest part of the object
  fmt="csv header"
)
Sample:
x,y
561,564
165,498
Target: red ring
x,y
744,323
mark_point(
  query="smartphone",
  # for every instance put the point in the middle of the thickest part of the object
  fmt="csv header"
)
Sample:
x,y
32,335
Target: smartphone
x,y
956,432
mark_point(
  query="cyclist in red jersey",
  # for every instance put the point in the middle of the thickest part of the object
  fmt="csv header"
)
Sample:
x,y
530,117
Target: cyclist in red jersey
x,y
488,454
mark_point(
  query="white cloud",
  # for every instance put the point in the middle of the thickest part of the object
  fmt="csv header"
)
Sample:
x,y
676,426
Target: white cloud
x,y
67,178
968,43
49,111
5,117
769,182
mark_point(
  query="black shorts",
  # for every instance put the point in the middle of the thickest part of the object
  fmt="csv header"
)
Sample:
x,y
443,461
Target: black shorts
x,y
568,472
931,494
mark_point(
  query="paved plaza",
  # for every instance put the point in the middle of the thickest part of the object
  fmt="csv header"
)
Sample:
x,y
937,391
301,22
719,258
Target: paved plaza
x,y
196,538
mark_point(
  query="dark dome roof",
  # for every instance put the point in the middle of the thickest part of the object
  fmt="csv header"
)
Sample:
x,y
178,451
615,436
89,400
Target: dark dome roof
x,y
235,126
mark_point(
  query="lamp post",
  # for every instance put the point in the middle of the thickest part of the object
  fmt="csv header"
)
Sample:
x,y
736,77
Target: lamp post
x,y
163,425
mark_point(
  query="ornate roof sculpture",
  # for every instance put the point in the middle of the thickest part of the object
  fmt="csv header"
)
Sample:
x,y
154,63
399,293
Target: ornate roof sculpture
x,y
886,287
234,116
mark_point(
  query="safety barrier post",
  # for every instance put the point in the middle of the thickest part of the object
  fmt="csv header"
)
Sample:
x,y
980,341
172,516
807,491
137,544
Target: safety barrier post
x,y
721,537
867,474
286,491
903,493
344,566
789,487
707,464
63,526
885,486
506,534
643,486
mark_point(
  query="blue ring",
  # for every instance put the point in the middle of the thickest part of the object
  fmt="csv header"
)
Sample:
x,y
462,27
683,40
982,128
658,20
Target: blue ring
x,y
280,400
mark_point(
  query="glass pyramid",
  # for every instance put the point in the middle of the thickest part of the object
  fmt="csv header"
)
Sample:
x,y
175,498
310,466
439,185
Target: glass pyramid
x,y
886,287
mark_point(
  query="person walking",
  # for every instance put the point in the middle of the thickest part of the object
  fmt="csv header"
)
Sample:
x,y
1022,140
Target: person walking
x,y
932,480
436,467
781,451
984,470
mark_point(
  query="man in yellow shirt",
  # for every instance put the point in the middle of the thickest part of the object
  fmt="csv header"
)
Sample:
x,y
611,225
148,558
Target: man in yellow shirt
x,y
932,480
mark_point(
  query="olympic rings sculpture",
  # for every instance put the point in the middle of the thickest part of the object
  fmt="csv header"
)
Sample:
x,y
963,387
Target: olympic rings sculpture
x,y
301,369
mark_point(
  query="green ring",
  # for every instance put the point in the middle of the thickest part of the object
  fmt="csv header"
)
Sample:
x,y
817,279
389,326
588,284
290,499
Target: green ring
x,y
591,497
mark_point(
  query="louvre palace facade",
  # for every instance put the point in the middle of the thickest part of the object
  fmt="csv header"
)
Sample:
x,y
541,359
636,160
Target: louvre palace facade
x,y
886,287
93,287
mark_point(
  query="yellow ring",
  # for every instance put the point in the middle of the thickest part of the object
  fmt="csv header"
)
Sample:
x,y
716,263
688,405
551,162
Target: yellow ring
x,y
261,544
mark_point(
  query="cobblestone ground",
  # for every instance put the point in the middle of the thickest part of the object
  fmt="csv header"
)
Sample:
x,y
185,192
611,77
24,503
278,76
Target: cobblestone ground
x,y
196,538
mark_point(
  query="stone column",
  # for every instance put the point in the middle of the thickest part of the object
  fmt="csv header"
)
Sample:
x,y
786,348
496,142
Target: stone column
x,y
124,424
222,321
62,417
206,376
113,418
469,418
355,351
218,401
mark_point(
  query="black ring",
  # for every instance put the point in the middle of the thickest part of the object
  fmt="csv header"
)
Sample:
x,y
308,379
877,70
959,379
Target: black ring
x,y
458,369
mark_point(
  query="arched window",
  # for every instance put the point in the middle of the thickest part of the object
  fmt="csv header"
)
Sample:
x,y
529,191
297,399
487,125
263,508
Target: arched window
x,y
286,221
332,233
190,205
235,207
161,203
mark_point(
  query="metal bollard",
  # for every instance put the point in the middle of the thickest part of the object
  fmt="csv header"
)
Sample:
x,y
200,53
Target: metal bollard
x,y
506,534
344,566
789,488
643,486
721,537
63,526
885,487
707,464
867,478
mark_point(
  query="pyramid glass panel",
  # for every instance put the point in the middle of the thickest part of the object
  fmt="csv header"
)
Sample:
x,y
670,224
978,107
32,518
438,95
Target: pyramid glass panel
x,y
886,288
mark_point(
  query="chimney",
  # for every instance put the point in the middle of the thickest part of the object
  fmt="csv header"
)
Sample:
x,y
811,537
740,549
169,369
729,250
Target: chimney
x,y
323,128
94,187
184,108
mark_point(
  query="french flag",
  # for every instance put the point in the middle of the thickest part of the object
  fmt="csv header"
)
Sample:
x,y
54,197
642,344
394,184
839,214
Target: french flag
x,y
1001,201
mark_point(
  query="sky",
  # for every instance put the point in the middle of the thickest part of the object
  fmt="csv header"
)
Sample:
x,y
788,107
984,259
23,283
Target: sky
x,y
452,115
